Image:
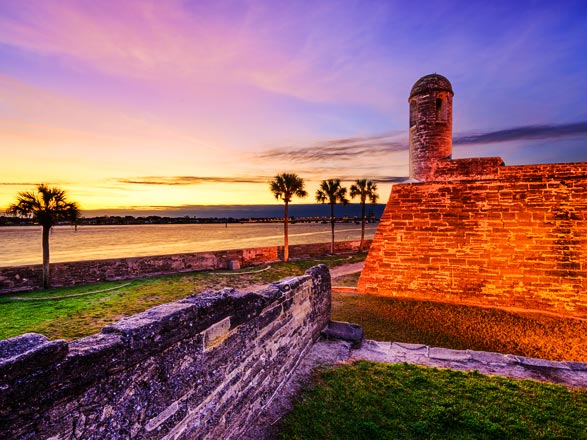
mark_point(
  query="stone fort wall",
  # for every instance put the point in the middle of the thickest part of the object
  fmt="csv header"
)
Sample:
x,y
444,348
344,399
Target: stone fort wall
x,y
200,368
475,231
22,278
482,233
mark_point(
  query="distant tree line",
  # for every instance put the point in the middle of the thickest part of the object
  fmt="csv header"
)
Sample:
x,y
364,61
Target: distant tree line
x,y
166,220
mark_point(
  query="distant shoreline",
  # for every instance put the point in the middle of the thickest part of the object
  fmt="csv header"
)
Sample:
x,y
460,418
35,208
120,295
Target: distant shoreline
x,y
221,214
157,220
203,214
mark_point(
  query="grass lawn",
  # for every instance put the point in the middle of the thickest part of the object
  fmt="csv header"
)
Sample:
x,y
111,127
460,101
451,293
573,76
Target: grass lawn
x,y
382,318
76,317
368,400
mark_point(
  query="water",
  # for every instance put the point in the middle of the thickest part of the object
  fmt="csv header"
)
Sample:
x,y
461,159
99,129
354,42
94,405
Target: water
x,y
21,245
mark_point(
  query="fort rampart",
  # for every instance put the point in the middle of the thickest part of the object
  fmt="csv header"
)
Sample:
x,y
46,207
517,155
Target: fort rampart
x,y
479,232
19,278
475,231
199,368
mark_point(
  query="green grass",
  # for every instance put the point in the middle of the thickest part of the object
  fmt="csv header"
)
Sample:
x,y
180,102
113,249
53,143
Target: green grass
x,y
382,318
371,401
72,318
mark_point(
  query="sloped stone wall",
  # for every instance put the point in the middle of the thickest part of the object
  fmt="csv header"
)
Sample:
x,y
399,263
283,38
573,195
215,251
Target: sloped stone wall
x,y
481,233
21,278
200,368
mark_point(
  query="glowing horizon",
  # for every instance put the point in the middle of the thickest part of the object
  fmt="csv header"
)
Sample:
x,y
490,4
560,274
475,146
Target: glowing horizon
x,y
145,103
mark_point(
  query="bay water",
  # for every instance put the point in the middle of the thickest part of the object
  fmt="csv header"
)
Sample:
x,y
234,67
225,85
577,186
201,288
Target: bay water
x,y
21,245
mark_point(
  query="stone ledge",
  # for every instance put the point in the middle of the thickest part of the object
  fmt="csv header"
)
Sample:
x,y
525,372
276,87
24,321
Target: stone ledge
x,y
572,374
487,357
542,363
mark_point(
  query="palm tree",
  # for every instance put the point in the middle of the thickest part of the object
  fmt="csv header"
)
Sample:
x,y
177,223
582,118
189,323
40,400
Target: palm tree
x,y
364,189
284,186
331,191
47,206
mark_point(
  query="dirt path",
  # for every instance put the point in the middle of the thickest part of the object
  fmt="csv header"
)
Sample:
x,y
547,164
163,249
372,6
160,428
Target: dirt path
x,y
335,272
346,269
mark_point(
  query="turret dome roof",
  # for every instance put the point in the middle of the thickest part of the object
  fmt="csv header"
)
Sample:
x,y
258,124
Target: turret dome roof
x,y
429,83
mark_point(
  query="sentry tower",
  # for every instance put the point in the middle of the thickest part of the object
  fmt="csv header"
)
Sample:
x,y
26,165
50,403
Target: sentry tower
x,y
430,125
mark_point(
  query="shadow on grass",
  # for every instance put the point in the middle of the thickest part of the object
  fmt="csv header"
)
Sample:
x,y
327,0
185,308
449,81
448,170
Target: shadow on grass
x,y
464,327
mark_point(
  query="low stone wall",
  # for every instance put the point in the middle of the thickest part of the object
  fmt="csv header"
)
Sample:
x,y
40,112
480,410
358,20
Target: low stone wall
x,y
22,278
200,368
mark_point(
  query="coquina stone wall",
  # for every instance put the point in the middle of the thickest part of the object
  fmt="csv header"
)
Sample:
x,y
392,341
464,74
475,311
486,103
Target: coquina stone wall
x,y
482,233
200,368
20,278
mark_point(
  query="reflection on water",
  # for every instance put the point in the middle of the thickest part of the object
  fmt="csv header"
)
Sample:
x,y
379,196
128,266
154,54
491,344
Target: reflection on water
x,y
20,245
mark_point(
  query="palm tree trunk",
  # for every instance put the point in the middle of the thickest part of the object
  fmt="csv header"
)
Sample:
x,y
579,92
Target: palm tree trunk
x,y
46,280
332,228
362,226
285,234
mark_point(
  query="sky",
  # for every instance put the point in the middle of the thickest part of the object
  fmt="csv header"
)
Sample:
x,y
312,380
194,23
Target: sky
x,y
158,104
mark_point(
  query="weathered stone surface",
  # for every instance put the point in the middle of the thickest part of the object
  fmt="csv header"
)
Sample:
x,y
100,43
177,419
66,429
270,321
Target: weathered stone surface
x,y
487,357
406,347
448,354
199,368
20,344
430,125
543,363
352,333
157,327
31,357
577,366
374,350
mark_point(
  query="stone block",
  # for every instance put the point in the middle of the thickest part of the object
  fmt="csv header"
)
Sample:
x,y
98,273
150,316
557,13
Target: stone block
x,y
96,355
487,357
373,350
352,333
406,347
26,355
157,327
19,344
577,366
216,333
212,306
445,354
542,363
234,265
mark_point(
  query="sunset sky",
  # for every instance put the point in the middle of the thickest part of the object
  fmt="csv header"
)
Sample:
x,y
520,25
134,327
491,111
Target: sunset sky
x,y
130,104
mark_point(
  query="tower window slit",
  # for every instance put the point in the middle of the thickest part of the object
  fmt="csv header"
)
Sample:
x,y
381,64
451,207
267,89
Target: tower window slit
x,y
441,110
